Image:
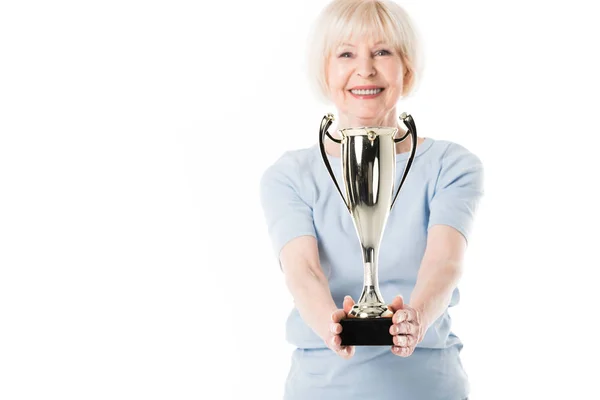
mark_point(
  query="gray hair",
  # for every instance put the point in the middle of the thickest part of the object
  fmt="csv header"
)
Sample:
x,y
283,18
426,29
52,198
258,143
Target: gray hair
x,y
378,19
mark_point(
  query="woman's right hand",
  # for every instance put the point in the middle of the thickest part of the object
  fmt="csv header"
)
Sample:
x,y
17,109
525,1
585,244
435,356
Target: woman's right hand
x,y
334,341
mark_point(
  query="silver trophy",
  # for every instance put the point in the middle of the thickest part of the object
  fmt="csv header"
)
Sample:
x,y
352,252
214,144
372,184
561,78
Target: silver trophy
x,y
368,158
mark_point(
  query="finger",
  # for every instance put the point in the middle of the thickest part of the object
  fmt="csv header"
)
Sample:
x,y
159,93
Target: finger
x,y
338,315
406,328
348,303
399,316
400,340
404,340
349,351
346,352
413,314
396,304
406,314
335,328
402,351
336,343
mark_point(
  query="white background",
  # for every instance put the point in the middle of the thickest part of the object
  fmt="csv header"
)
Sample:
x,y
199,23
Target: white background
x,y
134,259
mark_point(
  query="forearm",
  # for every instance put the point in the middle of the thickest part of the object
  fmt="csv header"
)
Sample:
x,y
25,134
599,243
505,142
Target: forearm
x,y
433,291
312,298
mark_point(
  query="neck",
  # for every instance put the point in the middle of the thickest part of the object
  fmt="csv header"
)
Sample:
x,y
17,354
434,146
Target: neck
x,y
389,119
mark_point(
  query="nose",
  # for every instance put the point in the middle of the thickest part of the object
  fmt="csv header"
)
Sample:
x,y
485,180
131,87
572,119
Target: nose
x,y
365,67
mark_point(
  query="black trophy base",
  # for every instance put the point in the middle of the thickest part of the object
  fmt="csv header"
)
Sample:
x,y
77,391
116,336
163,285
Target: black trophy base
x,y
366,332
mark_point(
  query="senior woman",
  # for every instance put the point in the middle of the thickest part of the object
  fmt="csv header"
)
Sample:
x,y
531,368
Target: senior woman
x,y
365,58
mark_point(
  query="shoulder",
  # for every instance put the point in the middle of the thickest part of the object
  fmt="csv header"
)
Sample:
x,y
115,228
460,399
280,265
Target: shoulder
x,y
453,161
450,154
456,165
292,167
293,162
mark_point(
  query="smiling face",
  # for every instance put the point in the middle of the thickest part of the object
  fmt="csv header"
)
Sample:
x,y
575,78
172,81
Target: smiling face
x,y
365,81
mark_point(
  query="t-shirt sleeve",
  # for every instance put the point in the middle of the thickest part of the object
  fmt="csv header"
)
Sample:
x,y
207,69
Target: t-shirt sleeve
x,y
288,215
458,190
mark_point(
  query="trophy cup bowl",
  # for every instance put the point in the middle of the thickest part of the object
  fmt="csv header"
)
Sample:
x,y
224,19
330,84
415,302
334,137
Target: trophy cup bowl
x,y
368,158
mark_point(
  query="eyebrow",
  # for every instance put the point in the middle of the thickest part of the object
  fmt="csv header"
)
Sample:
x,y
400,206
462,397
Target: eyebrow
x,y
351,45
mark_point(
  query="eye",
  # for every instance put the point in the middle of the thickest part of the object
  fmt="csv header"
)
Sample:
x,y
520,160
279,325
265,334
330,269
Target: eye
x,y
382,52
345,55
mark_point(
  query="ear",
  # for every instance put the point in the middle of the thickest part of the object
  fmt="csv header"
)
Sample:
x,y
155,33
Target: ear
x,y
407,81
326,83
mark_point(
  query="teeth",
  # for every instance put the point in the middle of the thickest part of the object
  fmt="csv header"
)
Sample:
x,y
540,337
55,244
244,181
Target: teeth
x,y
367,92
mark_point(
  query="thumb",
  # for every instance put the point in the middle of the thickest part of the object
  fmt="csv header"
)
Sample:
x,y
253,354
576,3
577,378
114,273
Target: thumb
x,y
348,303
397,304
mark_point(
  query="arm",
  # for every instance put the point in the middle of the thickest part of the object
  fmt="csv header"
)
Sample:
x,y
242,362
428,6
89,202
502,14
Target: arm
x,y
459,188
308,284
309,287
291,228
440,271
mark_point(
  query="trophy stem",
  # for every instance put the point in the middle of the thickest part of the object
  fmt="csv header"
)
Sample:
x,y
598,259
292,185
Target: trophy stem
x,y
370,294
370,303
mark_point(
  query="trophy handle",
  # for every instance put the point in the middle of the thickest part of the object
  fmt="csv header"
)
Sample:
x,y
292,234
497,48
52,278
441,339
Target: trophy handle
x,y
325,124
412,131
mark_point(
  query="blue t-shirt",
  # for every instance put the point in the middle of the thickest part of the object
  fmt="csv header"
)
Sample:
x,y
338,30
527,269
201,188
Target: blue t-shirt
x,y
444,186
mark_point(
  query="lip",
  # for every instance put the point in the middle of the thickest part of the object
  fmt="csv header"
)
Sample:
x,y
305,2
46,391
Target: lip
x,y
365,87
366,96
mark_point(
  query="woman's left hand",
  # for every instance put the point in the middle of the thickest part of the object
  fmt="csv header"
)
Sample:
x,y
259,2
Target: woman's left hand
x,y
408,327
